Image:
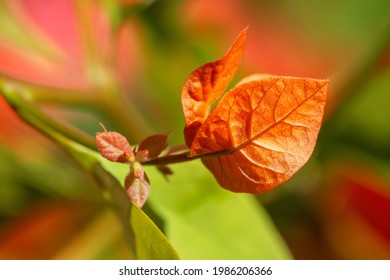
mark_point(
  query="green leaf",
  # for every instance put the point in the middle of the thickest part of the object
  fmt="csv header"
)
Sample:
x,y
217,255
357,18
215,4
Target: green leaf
x,y
204,221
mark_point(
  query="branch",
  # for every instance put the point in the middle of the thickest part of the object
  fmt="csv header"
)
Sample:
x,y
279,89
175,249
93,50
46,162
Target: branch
x,y
29,113
183,157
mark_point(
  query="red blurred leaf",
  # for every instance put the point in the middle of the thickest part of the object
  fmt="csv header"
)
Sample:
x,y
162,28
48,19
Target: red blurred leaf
x,y
114,146
355,199
154,145
206,84
42,229
137,188
264,131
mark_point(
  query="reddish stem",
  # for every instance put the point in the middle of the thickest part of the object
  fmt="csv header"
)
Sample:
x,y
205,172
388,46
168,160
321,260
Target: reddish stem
x,y
183,157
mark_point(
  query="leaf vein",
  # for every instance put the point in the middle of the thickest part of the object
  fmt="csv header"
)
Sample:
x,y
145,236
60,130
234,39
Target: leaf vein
x,y
258,164
276,123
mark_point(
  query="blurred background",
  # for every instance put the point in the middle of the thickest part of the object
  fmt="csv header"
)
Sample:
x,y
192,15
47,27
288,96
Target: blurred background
x,y
71,53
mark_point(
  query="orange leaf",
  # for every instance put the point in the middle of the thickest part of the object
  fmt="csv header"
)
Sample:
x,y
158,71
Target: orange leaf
x,y
206,84
262,132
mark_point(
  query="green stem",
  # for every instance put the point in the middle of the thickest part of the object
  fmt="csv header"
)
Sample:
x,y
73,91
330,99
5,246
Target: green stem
x,y
27,111
103,101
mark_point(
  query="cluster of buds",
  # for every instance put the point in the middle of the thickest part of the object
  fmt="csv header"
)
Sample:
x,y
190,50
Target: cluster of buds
x,y
115,147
